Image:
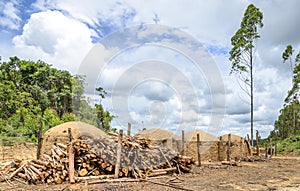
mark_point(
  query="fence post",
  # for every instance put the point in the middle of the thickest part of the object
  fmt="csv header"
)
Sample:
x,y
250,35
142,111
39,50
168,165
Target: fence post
x,y
219,149
257,142
275,148
119,149
198,149
251,146
40,140
271,151
228,148
241,145
182,142
129,129
71,164
70,135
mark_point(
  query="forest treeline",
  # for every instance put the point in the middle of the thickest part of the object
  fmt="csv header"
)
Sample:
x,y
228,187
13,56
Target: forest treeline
x,y
32,92
288,122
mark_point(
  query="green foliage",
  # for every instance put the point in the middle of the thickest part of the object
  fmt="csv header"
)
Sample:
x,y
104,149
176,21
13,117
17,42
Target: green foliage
x,y
243,40
289,145
35,86
288,52
103,117
68,117
102,92
51,118
288,122
34,94
86,113
77,92
293,94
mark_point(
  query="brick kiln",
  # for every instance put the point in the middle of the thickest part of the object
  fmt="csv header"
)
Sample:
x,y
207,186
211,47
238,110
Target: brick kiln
x,y
59,134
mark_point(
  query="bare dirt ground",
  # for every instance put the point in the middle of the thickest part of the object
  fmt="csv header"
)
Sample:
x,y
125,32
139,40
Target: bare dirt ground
x,y
278,173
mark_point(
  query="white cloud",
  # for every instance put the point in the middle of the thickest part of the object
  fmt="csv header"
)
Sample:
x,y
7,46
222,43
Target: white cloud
x,y
104,16
54,38
9,16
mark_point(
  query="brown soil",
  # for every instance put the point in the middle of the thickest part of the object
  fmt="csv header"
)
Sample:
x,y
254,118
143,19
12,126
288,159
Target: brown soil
x,y
278,173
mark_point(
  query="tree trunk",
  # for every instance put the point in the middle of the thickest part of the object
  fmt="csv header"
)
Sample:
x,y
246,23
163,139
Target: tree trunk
x,y
251,94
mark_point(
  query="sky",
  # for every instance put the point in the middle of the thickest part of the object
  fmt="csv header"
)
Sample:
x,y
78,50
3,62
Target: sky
x,y
165,64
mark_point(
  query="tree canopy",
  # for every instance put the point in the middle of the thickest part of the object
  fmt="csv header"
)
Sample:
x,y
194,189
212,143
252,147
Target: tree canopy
x,y
288,122
31,92
242,52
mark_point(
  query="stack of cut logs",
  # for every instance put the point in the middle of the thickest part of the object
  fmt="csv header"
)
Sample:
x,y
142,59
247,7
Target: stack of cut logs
x,y
97,158
49,169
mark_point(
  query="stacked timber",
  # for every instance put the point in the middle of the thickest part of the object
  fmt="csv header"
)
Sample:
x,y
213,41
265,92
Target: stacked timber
x,y
50,169
138,161
96,158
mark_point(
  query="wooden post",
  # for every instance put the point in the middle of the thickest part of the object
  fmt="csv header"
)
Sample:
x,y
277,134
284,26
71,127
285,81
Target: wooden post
x,y
248,138
241,145
70,135
40,140
271,152
266,147
251,146
219,149
177,145
128,129
71,164
119,149
182,142
275,148
198,150
228,147
71,158
257,142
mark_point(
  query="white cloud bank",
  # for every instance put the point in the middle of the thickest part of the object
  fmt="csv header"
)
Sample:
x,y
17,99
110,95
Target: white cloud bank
x,y
55,38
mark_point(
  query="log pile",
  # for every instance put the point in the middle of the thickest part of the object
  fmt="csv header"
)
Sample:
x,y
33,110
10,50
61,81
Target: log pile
x,y
96,158
138,159
50,169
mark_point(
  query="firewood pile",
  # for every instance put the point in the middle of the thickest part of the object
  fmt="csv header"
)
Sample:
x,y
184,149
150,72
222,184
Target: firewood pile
x,y
96,159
